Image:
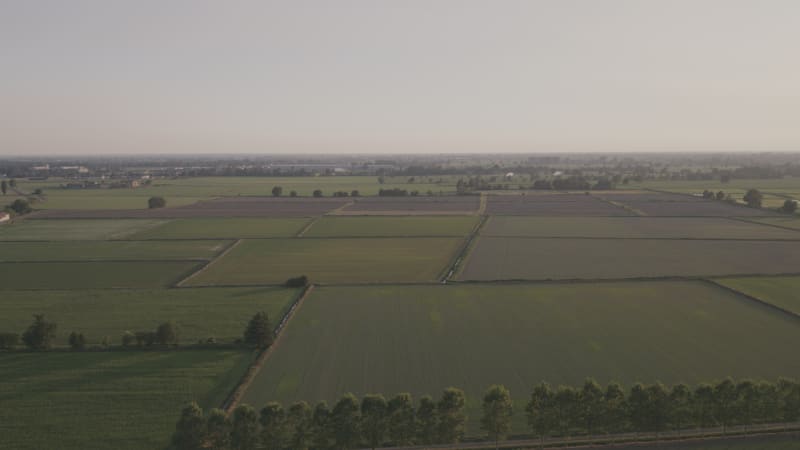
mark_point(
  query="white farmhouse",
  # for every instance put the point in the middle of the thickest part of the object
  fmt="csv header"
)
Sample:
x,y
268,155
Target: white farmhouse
x,y
4,217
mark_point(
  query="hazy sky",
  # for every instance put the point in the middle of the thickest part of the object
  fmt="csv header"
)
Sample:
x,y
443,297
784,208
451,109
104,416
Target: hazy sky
x,y
398,76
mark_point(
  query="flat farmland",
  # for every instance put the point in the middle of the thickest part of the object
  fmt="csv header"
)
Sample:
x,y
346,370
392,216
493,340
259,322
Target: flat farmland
x,y
377,339
462,204
82,230
632,227
656,204
334,226
221,207
110,250
91,275
223,228
365,260
783,292
221,313
792,222
570,205
108,400
497,258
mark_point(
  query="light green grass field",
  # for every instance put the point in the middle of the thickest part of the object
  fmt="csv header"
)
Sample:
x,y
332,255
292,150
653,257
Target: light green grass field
x,y
108,250
783,292
74,229
391,226
421,339
365,260
107,400
632,227
106,199
92,275
223,228
500,258
221,313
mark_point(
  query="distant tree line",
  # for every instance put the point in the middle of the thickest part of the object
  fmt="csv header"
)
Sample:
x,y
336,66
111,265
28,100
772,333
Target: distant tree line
x,y
277,191
561,412
41,335
753,198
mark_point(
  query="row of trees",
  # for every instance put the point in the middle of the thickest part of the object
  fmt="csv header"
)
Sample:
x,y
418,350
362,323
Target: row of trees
x,y
351,423
277,191
753,198
41,335
560,412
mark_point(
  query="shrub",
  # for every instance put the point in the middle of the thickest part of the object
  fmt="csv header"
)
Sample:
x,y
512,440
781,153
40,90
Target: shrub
x,y
301,281
8,340
156,202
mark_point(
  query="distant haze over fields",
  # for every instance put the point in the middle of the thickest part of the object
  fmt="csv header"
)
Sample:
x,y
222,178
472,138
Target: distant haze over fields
x,y
448,76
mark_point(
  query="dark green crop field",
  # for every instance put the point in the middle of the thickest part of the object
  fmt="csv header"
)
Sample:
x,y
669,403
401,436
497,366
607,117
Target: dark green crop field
x,y
422,339
271,261
74,229
110,250
392,226
235,227
497,258
783,292
632,227
221,313
92,275
107,400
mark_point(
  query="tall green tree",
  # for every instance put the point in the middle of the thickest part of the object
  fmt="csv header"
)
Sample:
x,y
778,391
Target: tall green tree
x,y
452,419
259,331
322,434
374,415
615,409
704,405
3,186
402,420
428,421
244,428
725,399
218,430
277,191
190,430
40,334
591,402
497,412
274,433
345,420
659,409
566,409
746,403
680,397
753,198
638,407
788,394
299,424
167,333
540,411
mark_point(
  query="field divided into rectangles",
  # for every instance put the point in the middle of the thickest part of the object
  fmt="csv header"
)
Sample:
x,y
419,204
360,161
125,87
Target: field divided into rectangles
x,y
82,230
421,339
110,250
221,313
94,274
362,260
632,227
783,292
332,226
237,227
108,400
499,258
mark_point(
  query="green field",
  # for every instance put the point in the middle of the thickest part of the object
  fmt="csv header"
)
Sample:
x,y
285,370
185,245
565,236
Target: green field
x,y
783,292
91,275
632,227
224,228
788,222
74,229
422,339
200,313
391,226
106,250
498,258
271,261
107,400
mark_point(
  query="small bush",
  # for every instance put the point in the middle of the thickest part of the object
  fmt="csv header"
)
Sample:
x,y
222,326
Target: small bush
x,y
301,281
156,202
8,340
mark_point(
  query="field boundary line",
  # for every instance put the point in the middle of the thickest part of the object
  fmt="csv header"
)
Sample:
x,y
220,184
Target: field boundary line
x,y
338,210
630,209
618,280
209,263
307,227
751,298
455,264
483,203
746,220
255,366
632,440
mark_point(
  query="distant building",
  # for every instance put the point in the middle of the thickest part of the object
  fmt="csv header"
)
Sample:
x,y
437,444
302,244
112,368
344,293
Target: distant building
x,y
4,217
